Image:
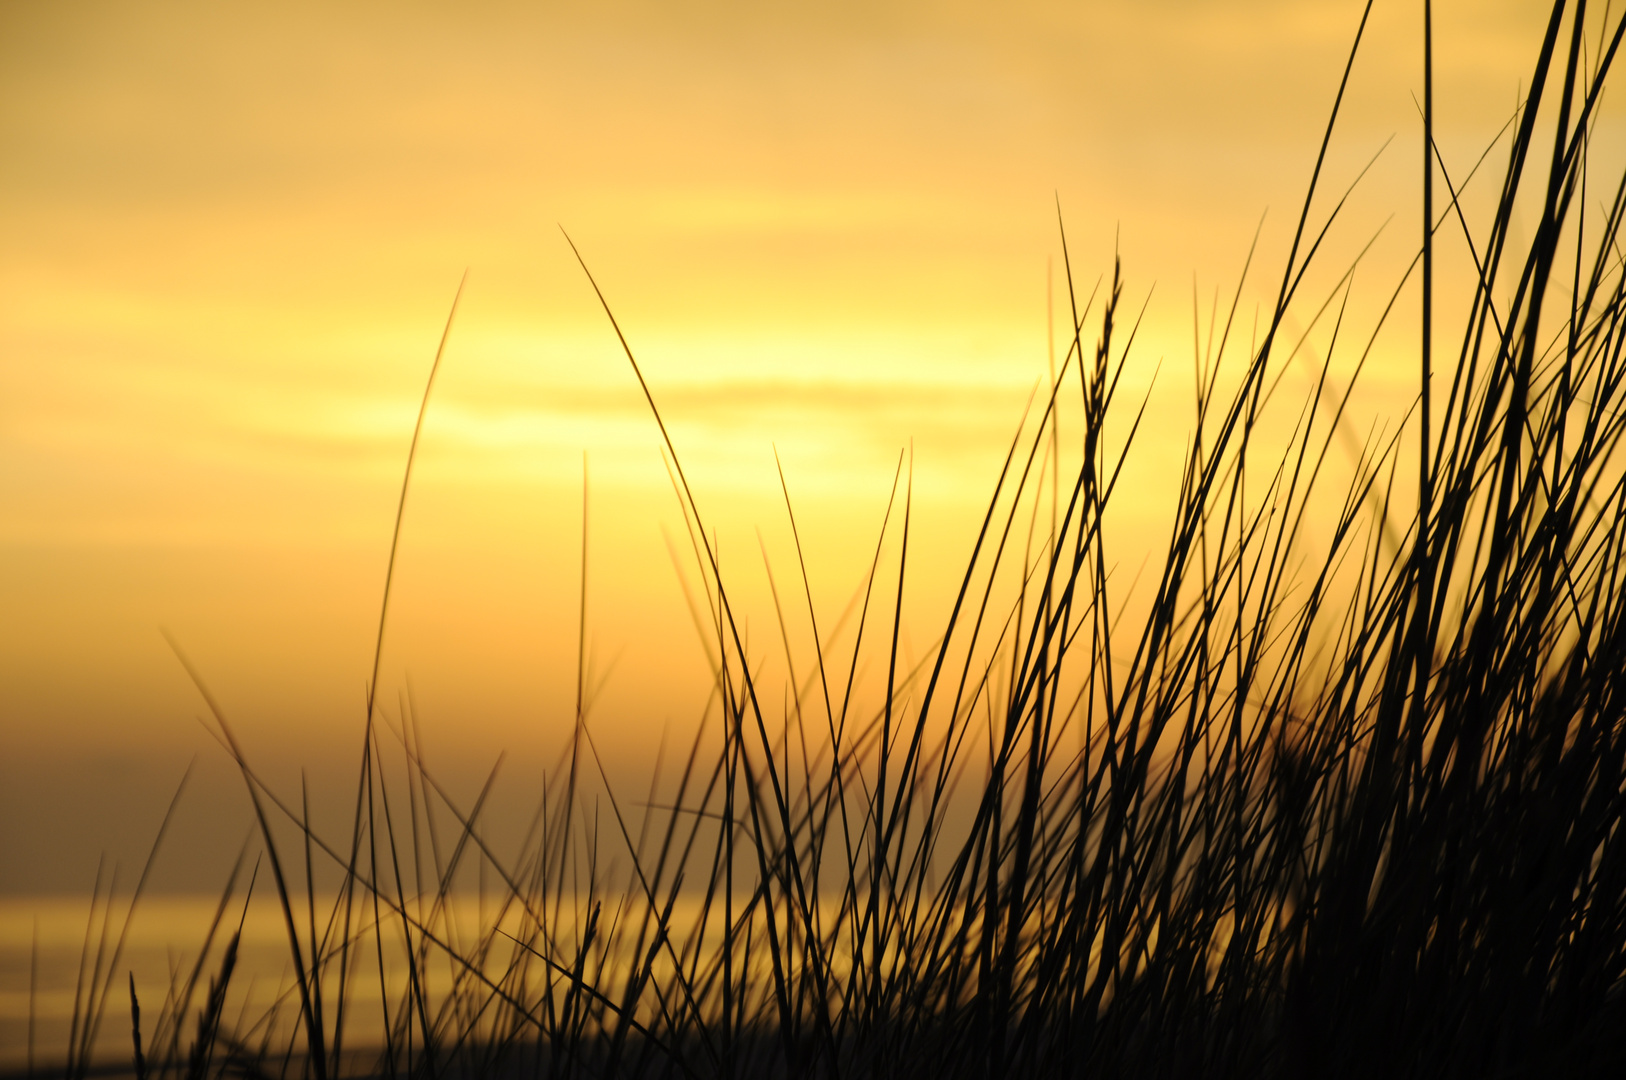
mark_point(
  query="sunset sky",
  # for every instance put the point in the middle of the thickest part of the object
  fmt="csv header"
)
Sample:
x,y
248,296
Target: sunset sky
x,y
230,237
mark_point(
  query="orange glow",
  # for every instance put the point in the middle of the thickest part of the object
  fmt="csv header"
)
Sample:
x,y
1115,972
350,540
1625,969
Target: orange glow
x,y
232,238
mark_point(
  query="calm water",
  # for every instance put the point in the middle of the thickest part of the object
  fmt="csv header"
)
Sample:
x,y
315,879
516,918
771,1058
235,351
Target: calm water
x,y
43,943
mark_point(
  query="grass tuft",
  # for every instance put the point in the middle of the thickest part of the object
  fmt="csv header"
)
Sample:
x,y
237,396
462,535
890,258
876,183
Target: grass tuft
x,y
1342,792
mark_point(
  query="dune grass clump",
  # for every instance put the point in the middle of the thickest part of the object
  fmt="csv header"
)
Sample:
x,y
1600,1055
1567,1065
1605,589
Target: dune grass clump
x,y
1344,797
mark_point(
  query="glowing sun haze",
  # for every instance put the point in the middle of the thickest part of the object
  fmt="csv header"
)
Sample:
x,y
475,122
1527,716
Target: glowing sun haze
x,y
232,234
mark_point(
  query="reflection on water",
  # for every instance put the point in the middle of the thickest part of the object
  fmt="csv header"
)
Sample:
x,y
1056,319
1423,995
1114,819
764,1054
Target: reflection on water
x,y
46,959
49,962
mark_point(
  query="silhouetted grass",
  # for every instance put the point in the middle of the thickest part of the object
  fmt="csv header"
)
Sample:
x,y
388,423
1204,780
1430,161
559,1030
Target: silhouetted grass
x,y
1341,805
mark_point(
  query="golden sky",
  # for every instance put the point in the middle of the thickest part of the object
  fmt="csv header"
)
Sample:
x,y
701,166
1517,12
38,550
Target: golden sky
x,y
230,235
